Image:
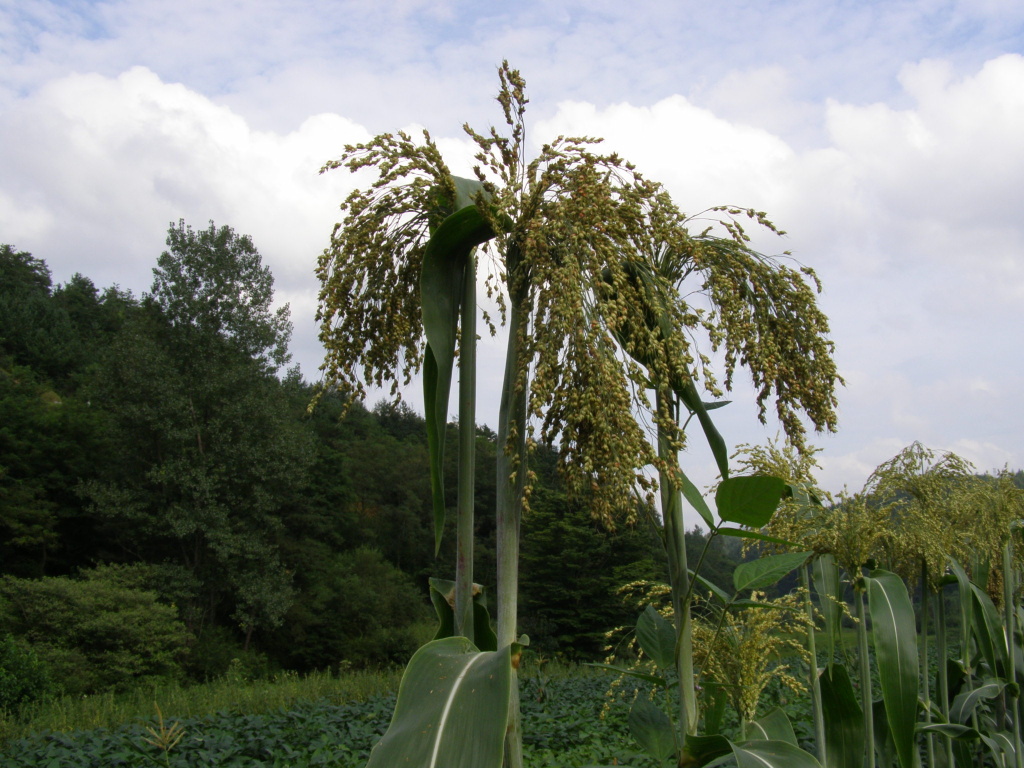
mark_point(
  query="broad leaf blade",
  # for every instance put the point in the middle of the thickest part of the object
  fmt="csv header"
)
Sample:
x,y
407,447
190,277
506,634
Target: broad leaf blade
x,y
652,729
657,638
749,501
704,749
452,709
829,588
765,571
966,703
894,632
844,719
774,726
988,630
772,754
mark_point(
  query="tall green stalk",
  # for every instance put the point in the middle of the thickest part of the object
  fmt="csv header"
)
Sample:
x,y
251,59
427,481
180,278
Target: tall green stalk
x,y
679,576
812,648
1009,621
926,694
943,654
511,483
467,456
865,674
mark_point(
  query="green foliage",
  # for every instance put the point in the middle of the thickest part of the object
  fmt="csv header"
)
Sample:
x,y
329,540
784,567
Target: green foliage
x,y
355,609
452,708
572,568
213,283
206,452
93,633
24,678
568,722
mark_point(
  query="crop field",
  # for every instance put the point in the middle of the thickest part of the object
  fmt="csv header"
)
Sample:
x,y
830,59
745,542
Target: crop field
x,y
566,723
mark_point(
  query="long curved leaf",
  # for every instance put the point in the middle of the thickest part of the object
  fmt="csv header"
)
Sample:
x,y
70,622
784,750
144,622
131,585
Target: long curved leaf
x,y
775,726
743,533
828,587
691,399
693,495
844,719
894,632
772,754
988,630
452,709
654,679
441,284
966,703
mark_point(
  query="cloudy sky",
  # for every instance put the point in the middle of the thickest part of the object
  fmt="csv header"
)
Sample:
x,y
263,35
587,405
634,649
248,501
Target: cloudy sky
x,y
886,137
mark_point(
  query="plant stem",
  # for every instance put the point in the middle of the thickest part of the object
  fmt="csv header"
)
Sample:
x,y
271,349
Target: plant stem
x,y
467,456
926,694
511,484
943,654
819,721
679,578
1008,612
865,675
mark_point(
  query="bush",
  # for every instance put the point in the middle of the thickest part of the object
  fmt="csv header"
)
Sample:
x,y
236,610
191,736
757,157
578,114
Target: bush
x,y
356,609
95,633
23,676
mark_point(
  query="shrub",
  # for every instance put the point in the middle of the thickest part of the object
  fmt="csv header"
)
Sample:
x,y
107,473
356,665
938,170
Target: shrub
x,y
23,676
95,633
356,610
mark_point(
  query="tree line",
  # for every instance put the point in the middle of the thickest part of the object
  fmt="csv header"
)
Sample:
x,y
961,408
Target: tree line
x,y
169,502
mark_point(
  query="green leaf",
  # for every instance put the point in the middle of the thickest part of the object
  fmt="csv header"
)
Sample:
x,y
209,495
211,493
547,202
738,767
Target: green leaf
x,y
988,630
693,495
743,533
716,590
688,394
964,704
844,719
772,754
704,749
434,389
828,587
714,713
765,571
652,729
659,681
657,637
774,726
441,592
452,709
894,632
749,501
441,283
950,731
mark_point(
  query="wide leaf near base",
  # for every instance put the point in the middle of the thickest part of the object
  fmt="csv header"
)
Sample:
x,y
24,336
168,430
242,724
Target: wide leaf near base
x,y
452,709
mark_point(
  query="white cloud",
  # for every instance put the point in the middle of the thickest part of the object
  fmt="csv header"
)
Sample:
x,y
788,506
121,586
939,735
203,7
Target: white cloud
x,y
908,208
97,167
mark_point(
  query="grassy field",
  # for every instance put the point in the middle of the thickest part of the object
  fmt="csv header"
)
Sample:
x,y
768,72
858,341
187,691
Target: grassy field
x,y
111,710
